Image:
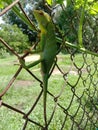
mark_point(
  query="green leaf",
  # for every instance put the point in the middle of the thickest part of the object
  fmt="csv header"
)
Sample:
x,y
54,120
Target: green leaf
x,y
80,37
59,1
1,4
49,2
94,9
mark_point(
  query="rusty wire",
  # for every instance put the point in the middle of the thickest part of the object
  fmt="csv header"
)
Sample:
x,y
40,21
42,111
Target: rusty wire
x,y
88,119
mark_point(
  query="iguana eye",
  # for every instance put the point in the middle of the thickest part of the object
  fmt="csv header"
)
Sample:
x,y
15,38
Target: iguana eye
x,y
41,13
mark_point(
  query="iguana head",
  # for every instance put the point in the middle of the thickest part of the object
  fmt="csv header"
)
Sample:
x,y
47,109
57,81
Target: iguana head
x,y
42,18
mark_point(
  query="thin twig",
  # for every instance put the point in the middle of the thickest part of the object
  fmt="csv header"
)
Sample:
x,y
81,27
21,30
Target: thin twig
x,y
11,82
8,47
32,108
12,108
52,114
21,112
27,16
9,7
25,124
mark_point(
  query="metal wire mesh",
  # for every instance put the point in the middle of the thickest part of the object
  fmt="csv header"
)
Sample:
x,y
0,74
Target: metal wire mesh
x,y
76,98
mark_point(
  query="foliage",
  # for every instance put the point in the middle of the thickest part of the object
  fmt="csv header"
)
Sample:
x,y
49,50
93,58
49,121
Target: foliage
x,y
1,4
29,6
69,21
14,36
3,53
91,6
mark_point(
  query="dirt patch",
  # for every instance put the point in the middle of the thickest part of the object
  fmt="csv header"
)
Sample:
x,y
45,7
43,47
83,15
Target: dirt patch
x,y
56,72
32,58
23,83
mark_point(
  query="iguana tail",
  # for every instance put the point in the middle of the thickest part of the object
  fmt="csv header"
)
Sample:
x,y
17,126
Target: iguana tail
x,y
45,84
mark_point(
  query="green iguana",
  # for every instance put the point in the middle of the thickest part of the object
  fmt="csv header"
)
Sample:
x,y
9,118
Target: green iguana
x,y
47,48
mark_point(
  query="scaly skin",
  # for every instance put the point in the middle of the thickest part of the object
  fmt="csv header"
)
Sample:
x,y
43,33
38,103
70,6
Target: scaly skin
x,y
48,48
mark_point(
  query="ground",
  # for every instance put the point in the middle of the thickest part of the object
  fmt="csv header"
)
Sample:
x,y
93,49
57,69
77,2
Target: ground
x,y
34,58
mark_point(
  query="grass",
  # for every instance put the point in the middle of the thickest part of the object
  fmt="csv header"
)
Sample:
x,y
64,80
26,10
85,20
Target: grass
x,y
25,90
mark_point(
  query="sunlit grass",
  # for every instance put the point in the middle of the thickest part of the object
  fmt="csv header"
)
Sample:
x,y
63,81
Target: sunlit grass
x,y
25,90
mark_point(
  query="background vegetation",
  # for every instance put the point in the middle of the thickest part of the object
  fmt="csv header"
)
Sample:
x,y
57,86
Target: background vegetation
x,y
67,18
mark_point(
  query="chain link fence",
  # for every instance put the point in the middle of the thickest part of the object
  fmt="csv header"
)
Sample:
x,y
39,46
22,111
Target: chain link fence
x,y
75,97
